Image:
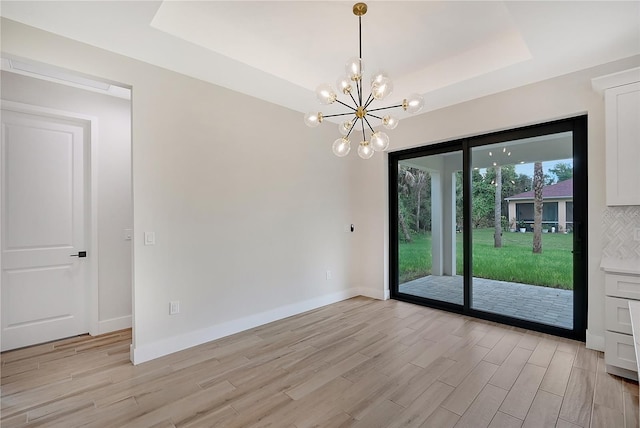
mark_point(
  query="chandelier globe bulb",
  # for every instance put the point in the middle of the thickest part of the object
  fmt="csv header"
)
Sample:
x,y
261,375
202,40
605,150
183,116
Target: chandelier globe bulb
x,y
313,119
381,87
413,103
364,150
354,68
389,122
341,147
326,94
345,127
379,141
344,85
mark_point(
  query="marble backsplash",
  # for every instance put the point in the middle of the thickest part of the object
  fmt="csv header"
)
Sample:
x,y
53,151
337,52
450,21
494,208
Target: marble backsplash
x,y
619,224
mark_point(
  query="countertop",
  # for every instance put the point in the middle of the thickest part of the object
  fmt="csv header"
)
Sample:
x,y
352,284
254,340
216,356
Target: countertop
x,y
622,266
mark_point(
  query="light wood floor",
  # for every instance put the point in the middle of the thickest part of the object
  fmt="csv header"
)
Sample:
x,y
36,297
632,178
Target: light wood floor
x,y
360,362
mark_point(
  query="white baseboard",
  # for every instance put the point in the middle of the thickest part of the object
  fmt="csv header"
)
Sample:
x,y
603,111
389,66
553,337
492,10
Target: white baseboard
x,y
114,324
374,294
142,353
595,342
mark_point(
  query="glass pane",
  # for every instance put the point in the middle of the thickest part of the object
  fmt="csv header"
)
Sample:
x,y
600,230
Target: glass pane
x,y
429,227
522,211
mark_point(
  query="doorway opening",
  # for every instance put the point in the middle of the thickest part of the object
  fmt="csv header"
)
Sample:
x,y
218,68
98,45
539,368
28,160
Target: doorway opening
x,y
66,193
494,226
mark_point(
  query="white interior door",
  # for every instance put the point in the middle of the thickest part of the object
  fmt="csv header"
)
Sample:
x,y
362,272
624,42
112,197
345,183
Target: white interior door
x,y
44,218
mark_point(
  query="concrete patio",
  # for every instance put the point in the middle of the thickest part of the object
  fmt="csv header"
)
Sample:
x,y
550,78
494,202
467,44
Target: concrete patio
x,y
530,302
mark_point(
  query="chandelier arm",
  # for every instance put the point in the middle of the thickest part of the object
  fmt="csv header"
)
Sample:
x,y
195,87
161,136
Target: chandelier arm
x,y
353,124
354,100
369,101
384,108
335,115
370,127
364,138
346,105
369,114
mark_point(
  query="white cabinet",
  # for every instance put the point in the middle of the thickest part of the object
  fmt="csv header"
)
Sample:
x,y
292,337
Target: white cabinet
x,y
622,127
622,110
622,285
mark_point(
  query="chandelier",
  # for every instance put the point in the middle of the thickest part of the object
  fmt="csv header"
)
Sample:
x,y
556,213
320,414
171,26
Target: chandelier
x,y
360,107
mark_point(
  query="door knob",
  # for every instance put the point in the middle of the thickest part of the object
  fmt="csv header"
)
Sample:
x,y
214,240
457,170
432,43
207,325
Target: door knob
x,y
80,254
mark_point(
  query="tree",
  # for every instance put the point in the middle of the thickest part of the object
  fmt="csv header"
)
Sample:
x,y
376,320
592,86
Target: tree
x,y
563,171
497,209
482,202
418,183
538,185
404,178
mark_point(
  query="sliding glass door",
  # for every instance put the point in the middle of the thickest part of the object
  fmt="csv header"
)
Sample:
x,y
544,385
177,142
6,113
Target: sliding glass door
x,y
429,218
493,226
522,241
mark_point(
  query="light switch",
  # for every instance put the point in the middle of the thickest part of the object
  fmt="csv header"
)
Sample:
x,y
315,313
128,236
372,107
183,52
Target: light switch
x,y
149,238
128,234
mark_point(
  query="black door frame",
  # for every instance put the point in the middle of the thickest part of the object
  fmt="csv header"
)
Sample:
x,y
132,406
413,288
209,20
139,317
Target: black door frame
x,y
578,127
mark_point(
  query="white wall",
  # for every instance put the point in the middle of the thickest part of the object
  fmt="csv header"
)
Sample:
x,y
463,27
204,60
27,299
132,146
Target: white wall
x,y
248,204
557,98
114,186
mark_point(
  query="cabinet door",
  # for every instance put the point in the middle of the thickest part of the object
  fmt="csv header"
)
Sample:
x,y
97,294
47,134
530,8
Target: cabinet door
x,y
622,106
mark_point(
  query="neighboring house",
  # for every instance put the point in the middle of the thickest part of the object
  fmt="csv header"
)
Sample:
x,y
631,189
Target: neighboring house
x,y
557,208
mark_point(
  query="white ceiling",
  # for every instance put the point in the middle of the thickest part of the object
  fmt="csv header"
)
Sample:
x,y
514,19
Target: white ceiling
x,y
280,51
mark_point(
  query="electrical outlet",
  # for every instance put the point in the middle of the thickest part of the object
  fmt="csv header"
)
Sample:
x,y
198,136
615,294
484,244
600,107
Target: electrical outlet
x,y
328,275
636,234
174,307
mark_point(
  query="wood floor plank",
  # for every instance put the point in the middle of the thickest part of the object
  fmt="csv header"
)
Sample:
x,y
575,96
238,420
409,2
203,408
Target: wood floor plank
x,y
359,362
586,359
483,409
419,383
510,369
380,391
422,407
605,417
503,348
631,411
557,376
456,374
436,350
381,416
544,411
492,337
523,391
441,418
502,420
608,389
578,398
564,424
325,376
543,353
460,400
530,340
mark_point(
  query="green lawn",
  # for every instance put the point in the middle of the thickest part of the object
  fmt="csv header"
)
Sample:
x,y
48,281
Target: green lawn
x,y
513,262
